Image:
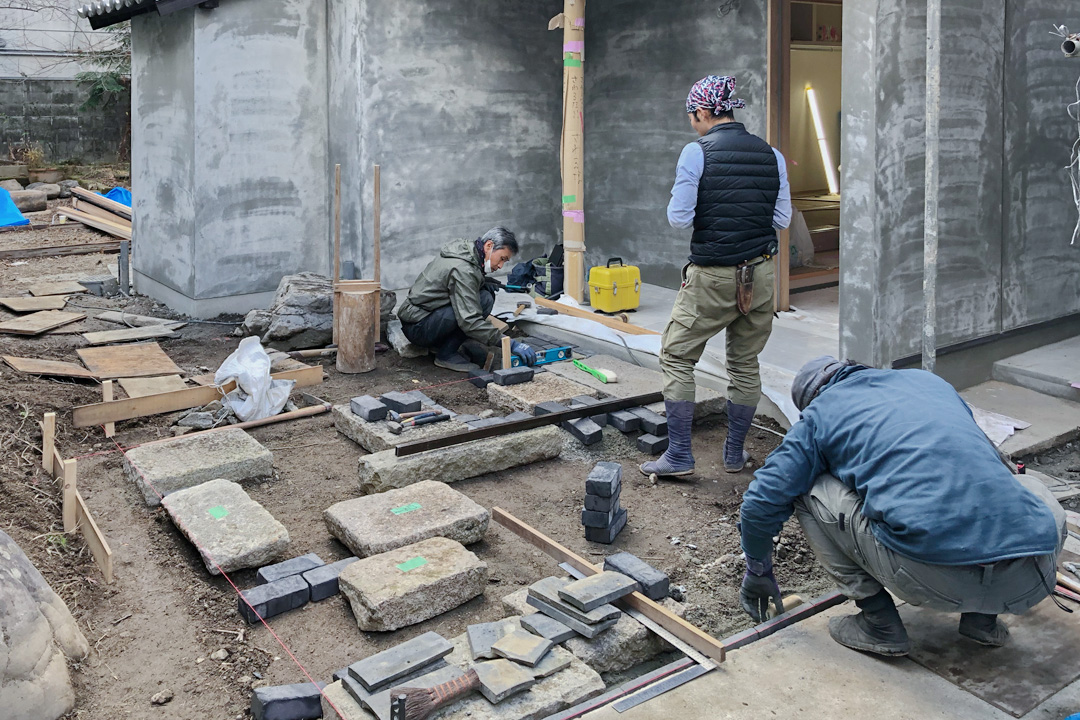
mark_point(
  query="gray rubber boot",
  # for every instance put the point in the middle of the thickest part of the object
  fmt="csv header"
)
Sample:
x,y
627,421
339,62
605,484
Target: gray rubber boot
x,y
877,629
983,629
677,460
739,419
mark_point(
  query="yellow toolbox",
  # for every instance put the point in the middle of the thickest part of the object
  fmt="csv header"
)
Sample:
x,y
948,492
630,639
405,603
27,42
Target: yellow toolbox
x,y
612,289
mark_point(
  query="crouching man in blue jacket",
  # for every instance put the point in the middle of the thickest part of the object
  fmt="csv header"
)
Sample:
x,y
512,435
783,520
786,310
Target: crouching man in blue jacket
x,y
897,489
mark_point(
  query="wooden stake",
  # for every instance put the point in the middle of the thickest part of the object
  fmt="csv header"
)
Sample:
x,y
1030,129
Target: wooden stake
x,y
356,335
95,540
48,442
506,361
70,505
337,245
377,241
572,148
106,396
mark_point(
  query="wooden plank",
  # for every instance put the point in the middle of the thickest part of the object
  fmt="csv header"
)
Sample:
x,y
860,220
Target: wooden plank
x,y
97,223
579,313
34,304
507,360
95,539
101,213
48,441
377,247
148,332
24,228
145,360
117,410
69,287
106,396
690,634
54,368
60,250
69,503
356,285
141,387
39,322
102,202
132,320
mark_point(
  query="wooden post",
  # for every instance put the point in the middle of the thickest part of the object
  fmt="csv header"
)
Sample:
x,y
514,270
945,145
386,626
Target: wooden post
x,y
106,396
337,246
572,148
506,355
779,93
356,331
48,442
376,235
70,504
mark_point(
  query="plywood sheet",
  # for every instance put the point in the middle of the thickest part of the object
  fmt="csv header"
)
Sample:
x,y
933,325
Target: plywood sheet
x,y
55,368
39,322
34,304
140,387
56,288
125,361
104,337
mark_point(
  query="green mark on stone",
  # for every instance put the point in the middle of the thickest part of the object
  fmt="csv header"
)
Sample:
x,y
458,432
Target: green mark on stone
x,y
569,198
405,508
218,512
412,564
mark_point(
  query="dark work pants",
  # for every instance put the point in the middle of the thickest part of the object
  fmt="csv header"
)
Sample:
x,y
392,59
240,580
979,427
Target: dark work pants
x,y
440,331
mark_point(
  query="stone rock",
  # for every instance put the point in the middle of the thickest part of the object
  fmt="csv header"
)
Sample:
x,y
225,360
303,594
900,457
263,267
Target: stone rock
x,y
378,523
65,187
545,387
627,644
300,316
11,185
197,420
30,200
379,703
384,669
337,703
596,590
161,697
552,663
548,590
522,646
220,654
483,635
51,190
499,679
230,530
37,637
412,584
396,337
256,322
387,303
184,462
376,436
547,627
517,602
382,471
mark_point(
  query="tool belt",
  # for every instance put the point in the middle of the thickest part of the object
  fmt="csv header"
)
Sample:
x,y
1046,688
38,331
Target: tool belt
x,y
744,283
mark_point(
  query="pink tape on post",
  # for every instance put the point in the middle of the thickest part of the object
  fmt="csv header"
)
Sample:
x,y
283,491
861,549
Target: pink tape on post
x,y
579,22
577,216
574,46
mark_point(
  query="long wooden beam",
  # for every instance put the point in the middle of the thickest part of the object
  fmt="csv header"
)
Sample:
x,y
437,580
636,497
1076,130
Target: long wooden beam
x,y
60,250
95,539
102,202
688,633
612,323
97,223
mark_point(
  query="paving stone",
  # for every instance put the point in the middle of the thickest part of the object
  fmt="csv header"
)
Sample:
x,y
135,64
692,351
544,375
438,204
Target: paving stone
x,y
374,524
383,471
483,635
368,408
379,703
467,418
302,701
546,627
184,462
293,566
400,402
585,430
486,422
651,422
514,375
552,662
230,530
596,503
526,396
323,581
548,589
624,646
652,583
369,699
337,704
499,679
651,444
411,584
600,589
522,646
604,480
376,436
585,400
273,598
607,535
516,603
549,407
425,401
597,519
379,670
517,415
586,629
624,421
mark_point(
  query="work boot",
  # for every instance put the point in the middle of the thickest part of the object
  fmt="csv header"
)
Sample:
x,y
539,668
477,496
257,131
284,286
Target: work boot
x,y
983,629
455,362
877,629
677,460
739,419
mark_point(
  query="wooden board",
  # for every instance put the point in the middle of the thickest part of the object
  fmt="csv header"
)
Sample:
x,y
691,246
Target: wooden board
x,y
579,313
117,410
34,304
105,337
132,320
60,250
101,213
141,387
97,223
55,368
56,288
126,361
39,322
688,633
95,540
102,202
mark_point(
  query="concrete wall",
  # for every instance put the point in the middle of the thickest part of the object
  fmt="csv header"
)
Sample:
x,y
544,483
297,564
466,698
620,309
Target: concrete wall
x,y
640,60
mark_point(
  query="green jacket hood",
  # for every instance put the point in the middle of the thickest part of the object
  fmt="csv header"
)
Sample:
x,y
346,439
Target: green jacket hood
x,y
461,249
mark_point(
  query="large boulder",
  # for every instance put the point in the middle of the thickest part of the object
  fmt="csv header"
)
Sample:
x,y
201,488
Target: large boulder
x,y
51,190
301,315
37,637
11,185
30,200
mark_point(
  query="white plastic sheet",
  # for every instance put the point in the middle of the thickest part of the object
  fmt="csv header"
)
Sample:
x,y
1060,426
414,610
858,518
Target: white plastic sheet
x,y
257,395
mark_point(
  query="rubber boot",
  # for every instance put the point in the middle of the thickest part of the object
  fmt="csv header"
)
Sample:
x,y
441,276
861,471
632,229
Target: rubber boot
x,y
739,419
877,629
677,460
983,629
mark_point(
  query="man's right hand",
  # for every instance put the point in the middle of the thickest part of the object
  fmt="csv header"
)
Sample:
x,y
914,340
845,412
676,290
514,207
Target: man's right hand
x,y
758,587
523,351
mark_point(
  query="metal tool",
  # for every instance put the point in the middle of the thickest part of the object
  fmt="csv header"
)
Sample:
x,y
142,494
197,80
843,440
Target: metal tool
x,y
415,417
1072,567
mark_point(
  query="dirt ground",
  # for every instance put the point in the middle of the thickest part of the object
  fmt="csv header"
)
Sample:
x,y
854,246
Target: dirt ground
x,y
156,625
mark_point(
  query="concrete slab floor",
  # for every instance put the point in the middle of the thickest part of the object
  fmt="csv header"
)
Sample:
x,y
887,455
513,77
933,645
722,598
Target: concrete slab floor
x,y
1053,420
1050,369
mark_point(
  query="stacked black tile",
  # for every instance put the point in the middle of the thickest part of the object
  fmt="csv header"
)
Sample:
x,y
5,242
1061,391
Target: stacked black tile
x,y
602,516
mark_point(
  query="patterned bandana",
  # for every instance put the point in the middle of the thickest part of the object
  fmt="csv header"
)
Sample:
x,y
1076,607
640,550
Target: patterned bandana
x,y
713,93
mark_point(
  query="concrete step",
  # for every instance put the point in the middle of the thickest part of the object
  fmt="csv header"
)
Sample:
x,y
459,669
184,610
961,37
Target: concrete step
x,y
1053,421
1049,370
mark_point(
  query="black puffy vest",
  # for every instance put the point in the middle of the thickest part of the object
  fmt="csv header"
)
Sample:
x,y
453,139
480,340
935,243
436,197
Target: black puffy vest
x,y
733,220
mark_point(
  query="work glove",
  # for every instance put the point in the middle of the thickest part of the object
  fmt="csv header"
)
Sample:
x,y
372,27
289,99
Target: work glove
x,y
523,351
758,587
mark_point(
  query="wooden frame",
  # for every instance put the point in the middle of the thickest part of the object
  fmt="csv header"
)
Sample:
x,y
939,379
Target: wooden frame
x,y
612,323
102,202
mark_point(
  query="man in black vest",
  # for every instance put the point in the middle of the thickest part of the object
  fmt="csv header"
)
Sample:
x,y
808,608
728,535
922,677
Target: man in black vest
x,y
732,189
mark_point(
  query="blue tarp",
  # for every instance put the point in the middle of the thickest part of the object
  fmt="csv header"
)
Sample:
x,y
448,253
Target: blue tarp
x,y
120,195
9,214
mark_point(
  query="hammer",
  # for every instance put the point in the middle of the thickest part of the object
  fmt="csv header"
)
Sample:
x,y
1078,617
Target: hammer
x,y
522,306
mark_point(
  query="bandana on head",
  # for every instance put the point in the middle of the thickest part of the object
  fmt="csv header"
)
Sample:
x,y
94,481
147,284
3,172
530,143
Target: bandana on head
x,y
713,93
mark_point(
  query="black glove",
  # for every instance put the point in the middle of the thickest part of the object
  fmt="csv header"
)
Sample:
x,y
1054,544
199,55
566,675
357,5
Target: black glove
x,y
758,587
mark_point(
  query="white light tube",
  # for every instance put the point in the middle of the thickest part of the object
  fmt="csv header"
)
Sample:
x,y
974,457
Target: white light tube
x,y
819,129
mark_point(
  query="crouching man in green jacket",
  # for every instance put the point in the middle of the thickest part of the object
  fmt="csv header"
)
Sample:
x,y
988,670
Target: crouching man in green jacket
x,y
449,302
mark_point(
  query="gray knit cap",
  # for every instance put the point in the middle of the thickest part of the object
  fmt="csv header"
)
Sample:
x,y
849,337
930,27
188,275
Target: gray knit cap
x,y
811,378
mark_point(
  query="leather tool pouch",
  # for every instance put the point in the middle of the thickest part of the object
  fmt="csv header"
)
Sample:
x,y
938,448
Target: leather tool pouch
x,y
744,288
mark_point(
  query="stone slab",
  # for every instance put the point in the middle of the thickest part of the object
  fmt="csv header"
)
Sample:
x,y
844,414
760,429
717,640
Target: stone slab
x,y
376,436
499,679
552,662
544,387
292,566
368,408
514,375
517,602
412,584
483,635
273,598
548,589
184,462
548,407
585,400
651,444
547,627
400,402
607,535
323,581
654,584
522,646
396,337
598,519
586,629
627,644
651,422
366,699
337,704
604,480
1050,369
383,668
302,701
230,530
1054,421
584,430
383,471
379,703
600,589
377,523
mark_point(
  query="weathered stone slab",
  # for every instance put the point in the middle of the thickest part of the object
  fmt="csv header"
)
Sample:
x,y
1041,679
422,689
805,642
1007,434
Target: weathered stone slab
x,y
411,584
522,646
548,591
600,589
499,679
338,704
230,530
377,523
184,462
588,630
376,436
544,387
547,627
483,635
379,670
622,647
552,662
383,471
379,703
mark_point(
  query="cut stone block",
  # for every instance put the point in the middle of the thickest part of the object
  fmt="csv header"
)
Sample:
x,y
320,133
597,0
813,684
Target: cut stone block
x,y
370,700
400,402
588,630
184,462
553,662
544,387
273,598
480,377
379,703
548,591
585,400
651,444
624,421
523,647
499,679
594,518
604,480
514,375
483,635
651,422
652,583
600,589
230,530
379,670
376,436
607,535
517,602
302,701
368,408
384,471
293,566
337,704
595,503
412,584
548,407
323,581
547,627
627,644
584,429
377,523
